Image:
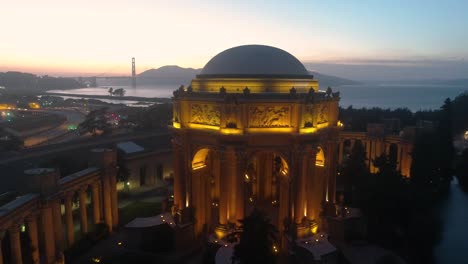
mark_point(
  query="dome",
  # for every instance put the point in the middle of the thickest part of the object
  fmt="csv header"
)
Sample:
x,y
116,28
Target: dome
x,y
254,60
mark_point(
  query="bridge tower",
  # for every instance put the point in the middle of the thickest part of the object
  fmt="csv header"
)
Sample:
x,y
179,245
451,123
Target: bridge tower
x,y
133,73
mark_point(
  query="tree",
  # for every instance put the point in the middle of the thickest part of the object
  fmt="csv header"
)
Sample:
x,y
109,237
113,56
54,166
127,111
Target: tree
x,y
111,91
257,240
445,149
462,170
354,171
95,121
119,92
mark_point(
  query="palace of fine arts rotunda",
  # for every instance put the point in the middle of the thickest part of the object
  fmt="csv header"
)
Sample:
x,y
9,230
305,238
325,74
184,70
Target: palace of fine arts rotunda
x,y
252,130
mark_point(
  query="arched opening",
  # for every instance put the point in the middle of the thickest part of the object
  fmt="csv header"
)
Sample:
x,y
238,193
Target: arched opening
x,y
320,183
346,149
320,158
199,160
267,186
393,154
205,189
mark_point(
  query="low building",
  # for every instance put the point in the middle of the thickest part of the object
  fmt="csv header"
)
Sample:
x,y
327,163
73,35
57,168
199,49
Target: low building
x,y
144,164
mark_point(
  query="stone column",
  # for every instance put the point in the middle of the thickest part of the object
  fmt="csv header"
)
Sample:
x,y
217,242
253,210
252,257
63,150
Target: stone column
x,y
239,183
111,170
69,219
368,153
231,171
332,170
399,159
179,172
312,211
83,211
47,222
96,203
31,222
300,172
2,234
58,224
15,244
224,186
340,153
107,201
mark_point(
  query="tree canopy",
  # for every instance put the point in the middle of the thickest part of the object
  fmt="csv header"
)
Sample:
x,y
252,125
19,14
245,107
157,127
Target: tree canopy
x,y
257,240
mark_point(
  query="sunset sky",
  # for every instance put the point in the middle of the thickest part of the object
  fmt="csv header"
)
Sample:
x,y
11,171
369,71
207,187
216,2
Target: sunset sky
x,y
99,37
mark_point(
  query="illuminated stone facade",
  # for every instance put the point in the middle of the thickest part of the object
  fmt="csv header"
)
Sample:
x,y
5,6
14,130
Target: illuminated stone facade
x,y
45,212
264,137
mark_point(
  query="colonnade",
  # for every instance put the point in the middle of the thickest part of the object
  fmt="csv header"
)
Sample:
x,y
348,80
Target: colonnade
x,y
44,215
376,146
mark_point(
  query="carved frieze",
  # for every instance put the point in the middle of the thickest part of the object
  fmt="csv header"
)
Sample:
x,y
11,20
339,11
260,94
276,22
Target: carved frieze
x,y
322,115
308,115
269,116
205,114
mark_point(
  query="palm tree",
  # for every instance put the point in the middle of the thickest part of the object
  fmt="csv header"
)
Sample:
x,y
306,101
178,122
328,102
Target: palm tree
x,y
257,240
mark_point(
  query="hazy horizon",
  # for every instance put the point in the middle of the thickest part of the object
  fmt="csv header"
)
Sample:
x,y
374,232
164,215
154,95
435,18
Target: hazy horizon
x,y
365,40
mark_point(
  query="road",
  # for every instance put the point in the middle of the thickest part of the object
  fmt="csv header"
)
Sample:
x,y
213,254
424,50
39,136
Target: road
x,y
73,118
9,157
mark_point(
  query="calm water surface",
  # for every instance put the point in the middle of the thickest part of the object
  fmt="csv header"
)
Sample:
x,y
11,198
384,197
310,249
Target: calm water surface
x,y
453,247
413,96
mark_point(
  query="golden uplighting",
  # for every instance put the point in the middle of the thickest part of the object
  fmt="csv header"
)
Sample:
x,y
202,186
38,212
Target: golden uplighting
x,y
199,167
314,228
175,124
203,127
231,131
271,130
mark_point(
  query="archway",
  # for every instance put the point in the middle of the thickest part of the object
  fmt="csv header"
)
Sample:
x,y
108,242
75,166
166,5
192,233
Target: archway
x,y
267,188
393,154
205,184
317,192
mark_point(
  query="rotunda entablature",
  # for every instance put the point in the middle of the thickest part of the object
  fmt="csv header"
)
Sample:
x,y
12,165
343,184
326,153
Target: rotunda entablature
x,y
255,85
247,113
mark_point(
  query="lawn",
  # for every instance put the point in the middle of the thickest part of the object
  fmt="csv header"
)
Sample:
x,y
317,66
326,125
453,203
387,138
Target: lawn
x,y
138,209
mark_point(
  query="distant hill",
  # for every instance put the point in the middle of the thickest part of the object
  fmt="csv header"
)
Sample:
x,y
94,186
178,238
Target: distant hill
x,y
168,75
170,71
15,82
179,75
329,80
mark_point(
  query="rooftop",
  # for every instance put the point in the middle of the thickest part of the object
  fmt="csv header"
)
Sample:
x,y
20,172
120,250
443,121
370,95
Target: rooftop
x,y
254,60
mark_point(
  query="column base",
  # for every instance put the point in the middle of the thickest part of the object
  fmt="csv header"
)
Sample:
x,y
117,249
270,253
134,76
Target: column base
x,y
221,231
313,226
302,231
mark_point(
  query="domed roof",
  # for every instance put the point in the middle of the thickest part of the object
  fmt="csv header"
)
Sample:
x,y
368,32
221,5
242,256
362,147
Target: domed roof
x,y
254,60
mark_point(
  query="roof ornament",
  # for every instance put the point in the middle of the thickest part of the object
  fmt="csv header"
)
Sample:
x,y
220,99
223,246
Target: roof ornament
x,y
293,91
246,91
222,90
329,91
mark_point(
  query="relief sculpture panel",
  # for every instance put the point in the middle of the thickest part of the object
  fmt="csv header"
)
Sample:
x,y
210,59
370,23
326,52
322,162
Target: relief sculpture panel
x,y
269,116
308,115
322,115
205,114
